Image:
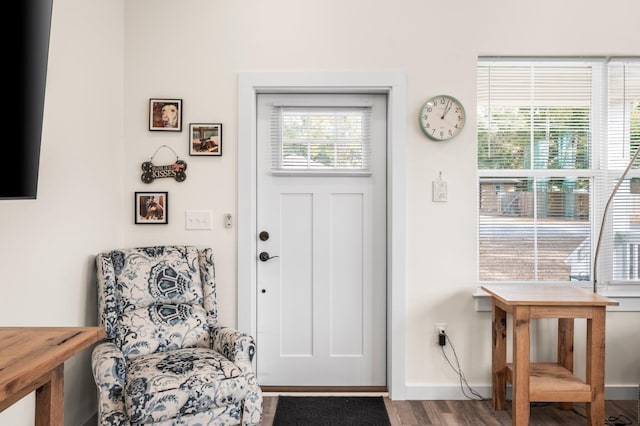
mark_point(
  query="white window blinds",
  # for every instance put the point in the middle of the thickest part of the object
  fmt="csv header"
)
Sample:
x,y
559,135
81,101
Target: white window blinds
x,y
619,259
534,116
320,140
553,138
534,145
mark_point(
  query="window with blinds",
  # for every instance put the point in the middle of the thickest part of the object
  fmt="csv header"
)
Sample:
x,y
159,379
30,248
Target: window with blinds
x,y
320,140
620,247
547,156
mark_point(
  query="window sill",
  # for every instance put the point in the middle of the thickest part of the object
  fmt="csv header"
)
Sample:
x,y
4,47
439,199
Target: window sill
x,y
627,295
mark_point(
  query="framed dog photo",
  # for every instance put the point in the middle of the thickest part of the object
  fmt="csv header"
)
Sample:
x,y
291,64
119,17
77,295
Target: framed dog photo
x,y
205,139
165,115
151,208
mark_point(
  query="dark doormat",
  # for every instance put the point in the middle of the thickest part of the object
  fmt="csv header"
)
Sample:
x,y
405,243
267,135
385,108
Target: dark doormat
x,y
330,411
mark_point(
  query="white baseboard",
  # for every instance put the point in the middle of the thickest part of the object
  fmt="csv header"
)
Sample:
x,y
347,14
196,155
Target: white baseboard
x,y
433,393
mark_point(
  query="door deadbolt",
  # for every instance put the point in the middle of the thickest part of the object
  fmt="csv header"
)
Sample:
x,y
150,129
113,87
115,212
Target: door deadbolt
x,y
264,256
264,236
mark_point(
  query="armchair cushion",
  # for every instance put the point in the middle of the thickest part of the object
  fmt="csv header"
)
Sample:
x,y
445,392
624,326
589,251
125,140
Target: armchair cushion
x,y
158,299
181,382
159,328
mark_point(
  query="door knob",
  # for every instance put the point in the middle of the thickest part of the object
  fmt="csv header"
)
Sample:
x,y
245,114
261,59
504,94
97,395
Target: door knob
x,y
264,256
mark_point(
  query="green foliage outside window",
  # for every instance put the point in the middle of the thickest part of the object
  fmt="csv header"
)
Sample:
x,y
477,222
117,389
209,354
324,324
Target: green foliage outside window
x,y
329,140
558,138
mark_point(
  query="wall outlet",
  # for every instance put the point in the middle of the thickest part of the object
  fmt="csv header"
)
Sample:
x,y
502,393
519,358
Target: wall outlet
x,y
440,327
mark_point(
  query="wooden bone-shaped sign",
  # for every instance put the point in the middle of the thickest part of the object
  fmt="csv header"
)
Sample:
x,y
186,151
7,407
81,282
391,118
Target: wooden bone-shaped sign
x,y
175,170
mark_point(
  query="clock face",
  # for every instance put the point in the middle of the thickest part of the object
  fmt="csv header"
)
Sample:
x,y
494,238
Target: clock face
x,y
442,117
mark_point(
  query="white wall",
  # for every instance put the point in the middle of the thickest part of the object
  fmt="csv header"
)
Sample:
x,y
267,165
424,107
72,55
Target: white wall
x,y
437,44
194,50
47,245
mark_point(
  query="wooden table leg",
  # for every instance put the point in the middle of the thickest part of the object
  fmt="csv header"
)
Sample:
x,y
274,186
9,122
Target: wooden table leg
x,y
50,399
520,383
498,357
565,350
595,365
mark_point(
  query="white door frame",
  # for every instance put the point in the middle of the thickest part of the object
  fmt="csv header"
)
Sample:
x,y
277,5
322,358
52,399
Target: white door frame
x,y
395,86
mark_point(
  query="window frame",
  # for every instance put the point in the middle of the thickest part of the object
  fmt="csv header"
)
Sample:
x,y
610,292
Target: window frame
x,y
598,172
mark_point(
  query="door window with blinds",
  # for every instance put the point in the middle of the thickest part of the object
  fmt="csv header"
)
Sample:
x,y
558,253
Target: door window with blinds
x,y
320,140
553,138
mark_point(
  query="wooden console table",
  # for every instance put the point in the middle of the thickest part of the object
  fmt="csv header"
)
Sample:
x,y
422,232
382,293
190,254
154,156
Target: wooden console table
x,y
32,359
550,381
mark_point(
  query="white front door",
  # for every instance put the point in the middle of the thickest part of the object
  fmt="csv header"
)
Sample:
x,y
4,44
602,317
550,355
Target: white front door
x,y
321,303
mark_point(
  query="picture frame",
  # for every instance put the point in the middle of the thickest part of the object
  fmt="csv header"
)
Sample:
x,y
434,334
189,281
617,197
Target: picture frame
x,y
165,115
151,208
205,139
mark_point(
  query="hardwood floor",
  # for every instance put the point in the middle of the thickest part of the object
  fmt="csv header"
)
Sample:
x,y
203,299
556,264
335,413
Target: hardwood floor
x,y
480,413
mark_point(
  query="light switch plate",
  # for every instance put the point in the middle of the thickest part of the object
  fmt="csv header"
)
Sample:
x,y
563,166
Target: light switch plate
x,y
198,219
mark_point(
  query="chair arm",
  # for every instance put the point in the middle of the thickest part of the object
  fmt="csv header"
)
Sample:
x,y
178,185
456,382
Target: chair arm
x,y
109,372
235,345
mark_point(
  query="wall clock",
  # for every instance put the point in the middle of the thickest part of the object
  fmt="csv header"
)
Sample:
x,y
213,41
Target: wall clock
x,y
442,117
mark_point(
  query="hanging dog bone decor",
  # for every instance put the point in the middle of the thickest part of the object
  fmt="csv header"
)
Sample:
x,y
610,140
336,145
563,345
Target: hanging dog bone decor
x,y
175,170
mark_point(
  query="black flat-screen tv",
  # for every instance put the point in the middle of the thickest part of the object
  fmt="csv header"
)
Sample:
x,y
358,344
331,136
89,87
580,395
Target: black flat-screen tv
x,y
27,68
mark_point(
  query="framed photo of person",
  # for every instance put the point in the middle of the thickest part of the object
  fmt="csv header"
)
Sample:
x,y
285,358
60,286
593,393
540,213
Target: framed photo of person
x,y
165,115
205,139
151,208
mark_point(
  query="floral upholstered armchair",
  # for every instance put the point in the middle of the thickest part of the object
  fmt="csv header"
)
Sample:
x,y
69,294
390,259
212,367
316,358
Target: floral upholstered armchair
x,y
165,360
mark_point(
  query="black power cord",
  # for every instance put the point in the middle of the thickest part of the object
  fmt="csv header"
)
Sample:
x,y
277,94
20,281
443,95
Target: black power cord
x,y
442,340
619,420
